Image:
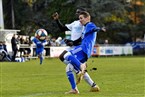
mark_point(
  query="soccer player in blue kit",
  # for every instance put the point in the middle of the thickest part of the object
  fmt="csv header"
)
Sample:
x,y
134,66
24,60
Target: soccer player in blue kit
x,y
76,29
39,47
80,54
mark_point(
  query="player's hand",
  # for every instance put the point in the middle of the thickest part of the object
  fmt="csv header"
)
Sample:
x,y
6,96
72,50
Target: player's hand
x,y
55,16
68,42
103,29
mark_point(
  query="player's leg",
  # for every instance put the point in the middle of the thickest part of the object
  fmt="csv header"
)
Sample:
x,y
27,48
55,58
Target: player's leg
x,y
69,72
83,58
74,57
70,76
61,57
39,52
14,55
76,68
41,58
73,60
78,58
88,79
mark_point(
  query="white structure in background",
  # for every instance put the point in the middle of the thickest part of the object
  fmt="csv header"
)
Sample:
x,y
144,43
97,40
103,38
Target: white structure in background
x,y
68,34
1,16
6,35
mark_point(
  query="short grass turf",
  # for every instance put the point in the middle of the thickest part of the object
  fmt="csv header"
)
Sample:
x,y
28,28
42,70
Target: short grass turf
x,y
116,76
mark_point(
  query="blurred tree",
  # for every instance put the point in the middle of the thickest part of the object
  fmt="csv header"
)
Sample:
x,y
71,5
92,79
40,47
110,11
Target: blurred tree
x,y
120,17
136,12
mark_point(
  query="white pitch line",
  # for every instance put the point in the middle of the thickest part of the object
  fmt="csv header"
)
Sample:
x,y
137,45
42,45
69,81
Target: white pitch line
x,y
36,94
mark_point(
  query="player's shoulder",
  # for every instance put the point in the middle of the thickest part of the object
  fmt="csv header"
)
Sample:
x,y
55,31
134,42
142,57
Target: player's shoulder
x,y
43,41
34,39
91,24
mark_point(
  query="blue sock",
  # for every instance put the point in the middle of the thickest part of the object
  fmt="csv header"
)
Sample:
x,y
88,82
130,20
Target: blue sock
x,y
74,61
71,79
41,59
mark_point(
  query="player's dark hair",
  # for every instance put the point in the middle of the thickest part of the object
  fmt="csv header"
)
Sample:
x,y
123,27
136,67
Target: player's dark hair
x,y
84,13
81,9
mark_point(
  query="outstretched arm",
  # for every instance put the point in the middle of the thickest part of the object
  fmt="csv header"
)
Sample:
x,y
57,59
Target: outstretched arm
x,y
92,28
60,25
100,29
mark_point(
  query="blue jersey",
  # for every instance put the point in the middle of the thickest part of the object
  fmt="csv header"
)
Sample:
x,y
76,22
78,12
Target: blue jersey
x,y
89,38
39,45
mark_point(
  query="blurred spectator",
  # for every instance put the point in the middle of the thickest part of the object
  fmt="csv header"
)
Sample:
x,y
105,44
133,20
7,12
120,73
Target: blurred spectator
x,y
47,46
63,43
106,42
5,46
53,42
138,39
28,50
22,50
3,52
14,43
18,39
58,41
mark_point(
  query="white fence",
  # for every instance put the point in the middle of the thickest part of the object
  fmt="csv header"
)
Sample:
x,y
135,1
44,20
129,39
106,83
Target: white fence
x,y
101,50
112,50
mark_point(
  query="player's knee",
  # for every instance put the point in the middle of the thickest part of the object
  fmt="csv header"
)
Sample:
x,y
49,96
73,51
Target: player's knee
x,y
61,57
66,56
69,67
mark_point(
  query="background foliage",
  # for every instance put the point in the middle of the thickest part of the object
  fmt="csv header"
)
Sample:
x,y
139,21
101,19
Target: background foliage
x,y
123,20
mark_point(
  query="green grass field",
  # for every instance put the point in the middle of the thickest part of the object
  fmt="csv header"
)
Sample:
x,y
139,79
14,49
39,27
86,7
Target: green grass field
x,y
116,76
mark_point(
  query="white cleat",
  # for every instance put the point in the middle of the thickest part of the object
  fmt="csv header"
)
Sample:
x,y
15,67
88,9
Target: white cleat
x,y
95,89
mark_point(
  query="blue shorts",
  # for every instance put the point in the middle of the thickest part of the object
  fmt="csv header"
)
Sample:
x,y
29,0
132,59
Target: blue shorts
x,y
39,51
79,54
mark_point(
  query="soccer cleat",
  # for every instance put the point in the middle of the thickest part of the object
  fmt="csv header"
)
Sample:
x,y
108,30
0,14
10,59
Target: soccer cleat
x,y
79,77
41,59
40,63
73,91
95,89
